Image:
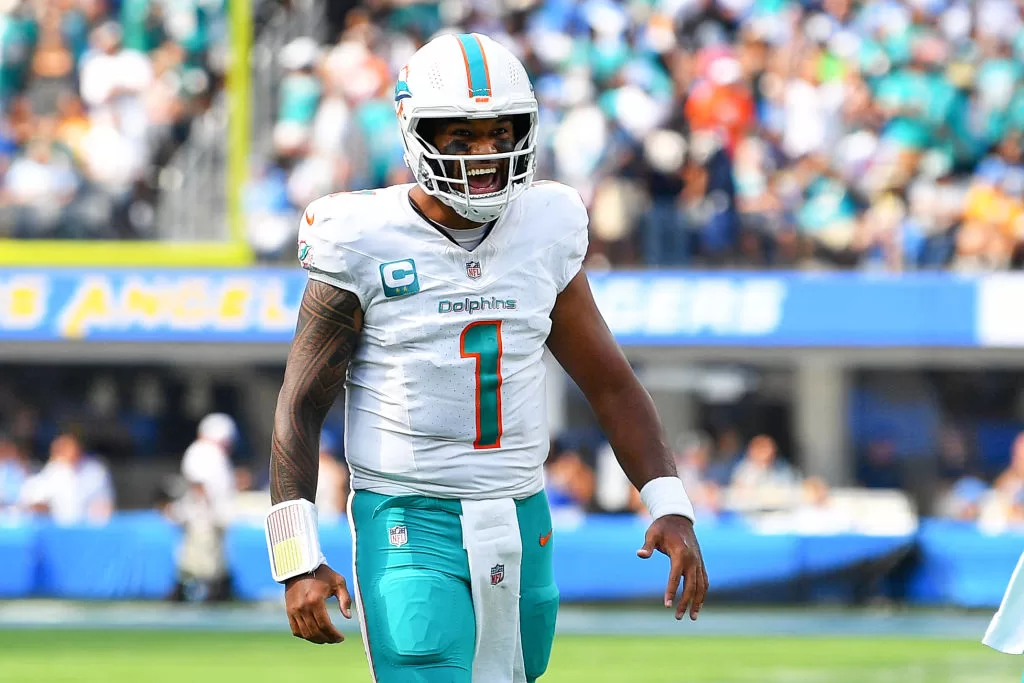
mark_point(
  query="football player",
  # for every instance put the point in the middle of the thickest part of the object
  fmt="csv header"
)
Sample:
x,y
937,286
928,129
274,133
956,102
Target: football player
x,y
432,304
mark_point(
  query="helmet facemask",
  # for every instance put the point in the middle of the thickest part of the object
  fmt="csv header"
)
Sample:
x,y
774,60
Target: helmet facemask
x,y
445,173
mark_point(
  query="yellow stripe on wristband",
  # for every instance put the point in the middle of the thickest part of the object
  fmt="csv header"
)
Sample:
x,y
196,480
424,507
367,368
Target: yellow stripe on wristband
x,y
287,556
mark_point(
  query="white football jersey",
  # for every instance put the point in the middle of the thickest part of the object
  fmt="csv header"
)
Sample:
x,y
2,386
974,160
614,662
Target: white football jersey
x,y
446,391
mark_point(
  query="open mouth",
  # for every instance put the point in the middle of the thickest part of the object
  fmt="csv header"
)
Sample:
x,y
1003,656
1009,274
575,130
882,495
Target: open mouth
x,y
484,178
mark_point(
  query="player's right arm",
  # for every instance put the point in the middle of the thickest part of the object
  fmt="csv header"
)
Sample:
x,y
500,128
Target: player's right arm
x,y
326,333
328,327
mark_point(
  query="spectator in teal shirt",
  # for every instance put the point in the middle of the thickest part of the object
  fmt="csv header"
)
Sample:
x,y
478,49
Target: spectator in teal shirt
x,y
18,33
828,214
300,88
141,25
379,142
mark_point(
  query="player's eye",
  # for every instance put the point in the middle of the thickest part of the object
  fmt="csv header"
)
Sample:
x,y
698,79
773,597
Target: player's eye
x,y
501,131
460,133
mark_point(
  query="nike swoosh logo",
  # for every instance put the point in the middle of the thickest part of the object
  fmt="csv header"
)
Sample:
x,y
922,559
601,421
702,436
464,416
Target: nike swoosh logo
x,y
309,218
544,539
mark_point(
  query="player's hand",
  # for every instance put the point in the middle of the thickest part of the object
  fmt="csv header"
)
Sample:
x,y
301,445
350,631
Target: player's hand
x,y
673,535
305,598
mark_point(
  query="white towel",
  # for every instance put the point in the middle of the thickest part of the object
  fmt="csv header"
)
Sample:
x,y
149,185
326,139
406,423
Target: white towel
x,y
1006,630
490,533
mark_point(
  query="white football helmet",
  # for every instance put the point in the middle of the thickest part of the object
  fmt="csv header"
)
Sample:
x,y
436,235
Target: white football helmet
x,y
466,76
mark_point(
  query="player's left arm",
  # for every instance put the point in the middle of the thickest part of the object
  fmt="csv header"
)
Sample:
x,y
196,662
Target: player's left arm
x,y
582,343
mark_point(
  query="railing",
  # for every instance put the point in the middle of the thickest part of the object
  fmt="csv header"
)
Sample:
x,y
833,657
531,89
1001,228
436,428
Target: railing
x,y
193,197
192,205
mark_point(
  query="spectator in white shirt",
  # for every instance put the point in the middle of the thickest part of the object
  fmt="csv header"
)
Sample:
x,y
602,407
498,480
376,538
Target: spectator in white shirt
x,y
202,564
72,488
761,471
207,462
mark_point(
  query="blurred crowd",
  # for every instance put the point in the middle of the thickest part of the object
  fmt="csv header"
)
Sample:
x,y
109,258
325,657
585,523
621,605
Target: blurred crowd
x,y
747,133
725,478
71,487
208,491
78,443
995,504
728,478
96,97
751,133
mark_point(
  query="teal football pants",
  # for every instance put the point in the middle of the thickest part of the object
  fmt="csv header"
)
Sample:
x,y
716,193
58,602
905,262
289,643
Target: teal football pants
x,y
413,588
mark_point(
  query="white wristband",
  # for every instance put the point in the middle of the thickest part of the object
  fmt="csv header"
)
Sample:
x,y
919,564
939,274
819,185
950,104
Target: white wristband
x,y
293,540
666,496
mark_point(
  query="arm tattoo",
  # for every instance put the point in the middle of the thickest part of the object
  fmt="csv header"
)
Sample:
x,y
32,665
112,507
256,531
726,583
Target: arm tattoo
x,y
326,334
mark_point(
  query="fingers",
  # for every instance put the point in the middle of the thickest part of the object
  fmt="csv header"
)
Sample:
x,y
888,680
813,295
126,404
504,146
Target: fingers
x,y
305,627
307,608
674,572
325,629
315,626
689,589
296,629
650,543
701,592
344,599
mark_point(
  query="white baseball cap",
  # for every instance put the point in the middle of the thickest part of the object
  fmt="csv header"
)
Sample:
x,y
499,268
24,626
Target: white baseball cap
x,y
218,427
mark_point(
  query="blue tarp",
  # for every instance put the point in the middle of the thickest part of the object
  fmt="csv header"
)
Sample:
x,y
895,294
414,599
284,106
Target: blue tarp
x,y
961,566
17,561
133,557
595,561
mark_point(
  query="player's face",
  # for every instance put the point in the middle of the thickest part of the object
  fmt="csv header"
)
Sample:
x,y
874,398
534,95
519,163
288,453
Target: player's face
x,y
478,136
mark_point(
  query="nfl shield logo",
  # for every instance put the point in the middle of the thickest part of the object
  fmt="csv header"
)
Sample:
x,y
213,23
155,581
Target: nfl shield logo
x,y
497,574
398,536
473,270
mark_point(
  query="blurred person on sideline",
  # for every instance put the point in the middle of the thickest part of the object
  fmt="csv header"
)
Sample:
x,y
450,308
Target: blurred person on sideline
x,y
1001,506
1011,481
725,455
816,512
207,462
1017,512
809,509
72,488
14,472
569,480
613,491
693,458
332,480
761,470
964,500
201,562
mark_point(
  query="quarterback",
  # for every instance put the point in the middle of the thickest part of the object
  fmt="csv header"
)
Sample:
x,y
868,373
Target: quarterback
x,y
431,304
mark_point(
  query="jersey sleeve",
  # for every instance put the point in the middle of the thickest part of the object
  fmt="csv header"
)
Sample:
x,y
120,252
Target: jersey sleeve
x,y
573,245
322,252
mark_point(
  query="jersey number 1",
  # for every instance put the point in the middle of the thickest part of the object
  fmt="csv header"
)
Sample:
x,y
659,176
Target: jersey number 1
x,y
482,341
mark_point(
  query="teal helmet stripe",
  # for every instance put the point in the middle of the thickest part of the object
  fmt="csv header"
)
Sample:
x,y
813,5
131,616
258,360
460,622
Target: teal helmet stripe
x,y
476,65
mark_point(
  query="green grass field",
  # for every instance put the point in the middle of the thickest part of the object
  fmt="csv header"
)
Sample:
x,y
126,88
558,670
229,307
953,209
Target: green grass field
x,y
56,656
